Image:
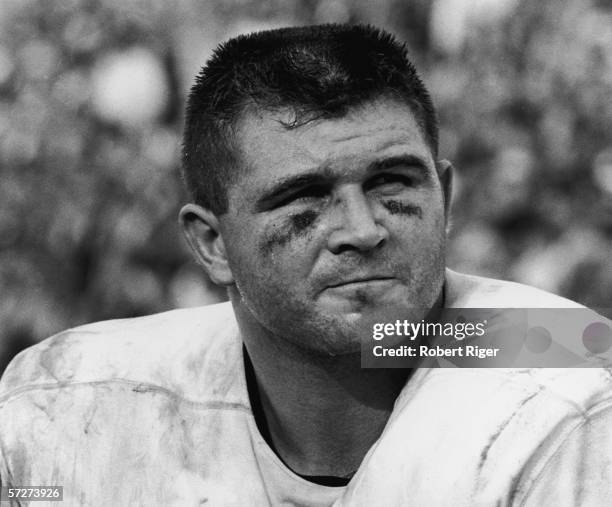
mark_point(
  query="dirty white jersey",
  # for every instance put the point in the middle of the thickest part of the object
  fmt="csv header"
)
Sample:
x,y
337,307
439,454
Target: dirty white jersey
x,y
155,411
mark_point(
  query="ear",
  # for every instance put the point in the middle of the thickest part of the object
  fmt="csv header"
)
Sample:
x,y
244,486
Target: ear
x,y
201,229
445,173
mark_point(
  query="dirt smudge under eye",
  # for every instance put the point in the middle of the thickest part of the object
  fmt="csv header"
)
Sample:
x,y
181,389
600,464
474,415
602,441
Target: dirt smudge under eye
x,y
299,224
303,220
400,208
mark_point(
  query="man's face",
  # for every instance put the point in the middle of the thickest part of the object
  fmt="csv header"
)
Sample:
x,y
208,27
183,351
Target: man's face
x,y
335,225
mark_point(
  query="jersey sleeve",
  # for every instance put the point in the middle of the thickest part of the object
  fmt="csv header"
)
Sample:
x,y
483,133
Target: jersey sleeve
x,y
579,471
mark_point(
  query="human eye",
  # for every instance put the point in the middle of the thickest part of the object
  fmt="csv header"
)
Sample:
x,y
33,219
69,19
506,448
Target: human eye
x,y
304,195
391,182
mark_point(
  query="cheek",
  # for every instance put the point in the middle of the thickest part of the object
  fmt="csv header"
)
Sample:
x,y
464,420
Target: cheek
x,y
288,232
401,208
419,228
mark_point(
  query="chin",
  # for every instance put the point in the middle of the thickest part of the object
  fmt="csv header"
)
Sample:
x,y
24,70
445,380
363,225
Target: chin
x,y
337,348
340,335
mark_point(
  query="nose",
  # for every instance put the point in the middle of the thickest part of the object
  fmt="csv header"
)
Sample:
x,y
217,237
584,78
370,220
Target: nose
x,y
357,228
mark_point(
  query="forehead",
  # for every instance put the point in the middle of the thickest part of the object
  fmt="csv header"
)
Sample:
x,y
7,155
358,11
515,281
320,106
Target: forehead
x,y
377,129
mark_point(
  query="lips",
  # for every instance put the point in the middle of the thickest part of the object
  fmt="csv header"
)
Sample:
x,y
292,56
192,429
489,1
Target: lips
x,y
359,279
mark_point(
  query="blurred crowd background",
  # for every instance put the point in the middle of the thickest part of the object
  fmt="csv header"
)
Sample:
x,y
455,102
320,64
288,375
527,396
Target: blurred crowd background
x,y
91,97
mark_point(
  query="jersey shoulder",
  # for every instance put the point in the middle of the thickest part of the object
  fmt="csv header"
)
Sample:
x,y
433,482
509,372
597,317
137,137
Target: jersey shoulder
x,y
166,350
469,291
484,436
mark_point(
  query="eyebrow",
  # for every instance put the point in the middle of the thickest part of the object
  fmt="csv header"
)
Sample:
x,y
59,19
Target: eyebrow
x,y
324,176
282,186
398,160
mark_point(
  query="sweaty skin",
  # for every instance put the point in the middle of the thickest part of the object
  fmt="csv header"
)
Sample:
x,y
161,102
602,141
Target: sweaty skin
x,y
327,202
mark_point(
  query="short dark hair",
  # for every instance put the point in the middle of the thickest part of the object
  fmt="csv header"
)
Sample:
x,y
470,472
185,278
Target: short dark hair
x,y
317,71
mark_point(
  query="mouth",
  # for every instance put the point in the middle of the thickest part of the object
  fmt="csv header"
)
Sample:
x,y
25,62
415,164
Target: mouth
x,y
358,281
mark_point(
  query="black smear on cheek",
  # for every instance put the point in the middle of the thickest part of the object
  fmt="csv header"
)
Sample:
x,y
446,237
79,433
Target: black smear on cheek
x,y
399,208
303,220
299,225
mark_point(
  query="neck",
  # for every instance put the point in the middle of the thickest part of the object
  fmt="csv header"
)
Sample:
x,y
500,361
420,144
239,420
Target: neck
x,y
310,403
